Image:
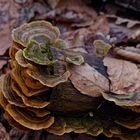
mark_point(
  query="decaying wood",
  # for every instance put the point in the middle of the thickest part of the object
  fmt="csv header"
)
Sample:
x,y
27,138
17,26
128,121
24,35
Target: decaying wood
x,y
92,84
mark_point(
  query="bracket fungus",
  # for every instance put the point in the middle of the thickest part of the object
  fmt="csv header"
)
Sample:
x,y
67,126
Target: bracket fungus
x,y
54,87
101,47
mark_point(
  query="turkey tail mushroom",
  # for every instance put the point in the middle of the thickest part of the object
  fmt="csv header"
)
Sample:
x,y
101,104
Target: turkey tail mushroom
x,y
61,89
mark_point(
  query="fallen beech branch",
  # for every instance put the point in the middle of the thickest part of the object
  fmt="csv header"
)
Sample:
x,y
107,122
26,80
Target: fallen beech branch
x,y
127,54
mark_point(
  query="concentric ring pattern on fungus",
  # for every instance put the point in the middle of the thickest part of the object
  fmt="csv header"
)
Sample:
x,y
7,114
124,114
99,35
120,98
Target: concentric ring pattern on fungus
x,y
53,87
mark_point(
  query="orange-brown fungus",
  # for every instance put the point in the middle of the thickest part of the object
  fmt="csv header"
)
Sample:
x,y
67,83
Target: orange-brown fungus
x,y
61,89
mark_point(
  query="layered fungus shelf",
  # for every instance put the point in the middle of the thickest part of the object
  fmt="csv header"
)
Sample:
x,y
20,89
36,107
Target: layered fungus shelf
x,y
61,89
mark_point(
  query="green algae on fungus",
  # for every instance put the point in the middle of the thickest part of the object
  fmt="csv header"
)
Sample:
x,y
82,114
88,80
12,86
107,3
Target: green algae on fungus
x,y
38,53
37,38
101,47
54,87
60,44
87,125
76,60
38,49
43,74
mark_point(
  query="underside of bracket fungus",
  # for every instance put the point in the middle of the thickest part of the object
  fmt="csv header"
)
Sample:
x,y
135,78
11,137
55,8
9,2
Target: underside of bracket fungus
x,y
53,87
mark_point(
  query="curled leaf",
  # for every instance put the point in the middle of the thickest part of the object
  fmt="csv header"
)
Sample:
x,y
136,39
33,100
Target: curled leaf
x,y
88,80
123,75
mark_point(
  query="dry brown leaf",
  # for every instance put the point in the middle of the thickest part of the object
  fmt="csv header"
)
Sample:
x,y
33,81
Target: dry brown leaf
x,y
124,29
120,21
13,14
133,5
5,27
2,63
83,37
123,75
88,80
73,11
3,134
5,39
53,3
5,10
